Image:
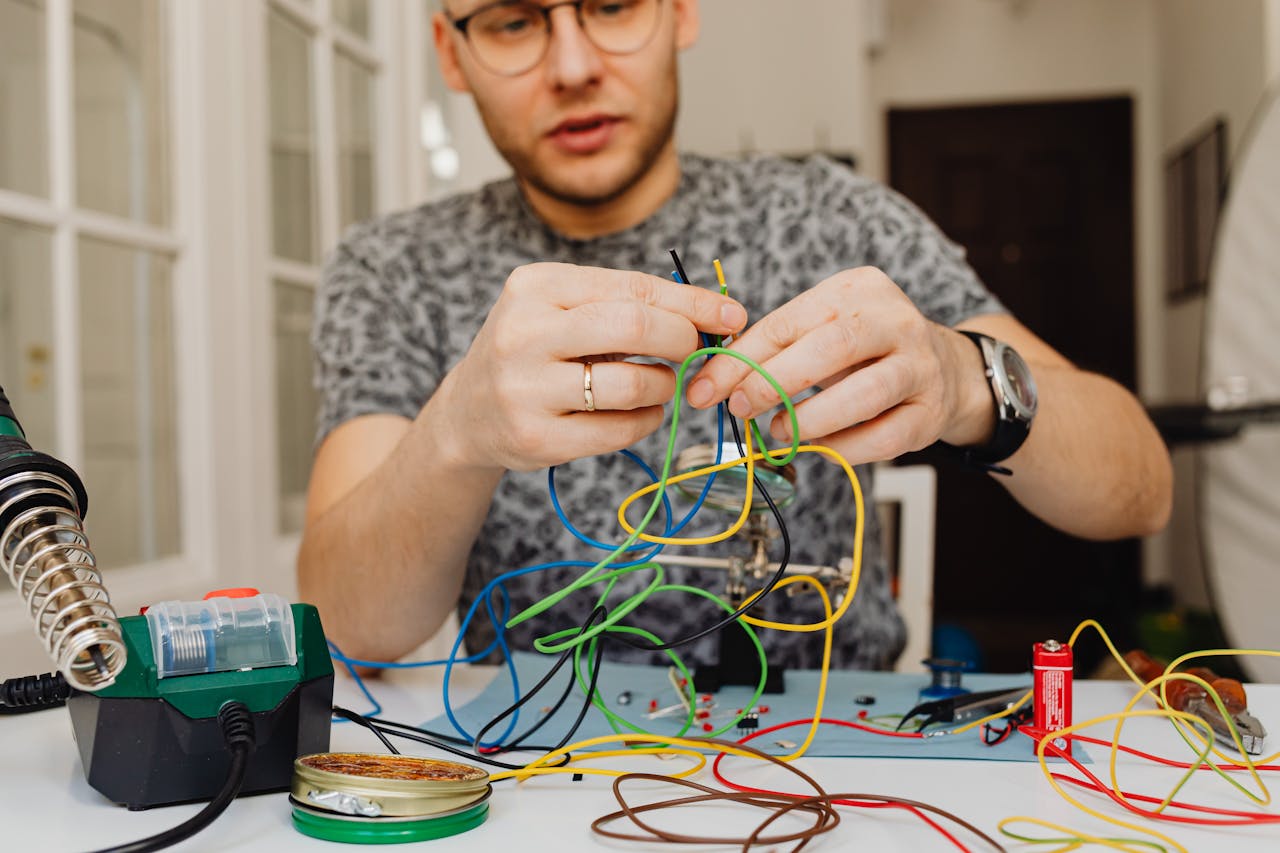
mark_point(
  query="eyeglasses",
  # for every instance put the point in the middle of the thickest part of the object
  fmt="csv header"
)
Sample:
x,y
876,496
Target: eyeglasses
x,y
510,37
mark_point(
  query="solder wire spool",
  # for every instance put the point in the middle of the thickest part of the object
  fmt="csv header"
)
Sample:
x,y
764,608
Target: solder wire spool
x,y
366,798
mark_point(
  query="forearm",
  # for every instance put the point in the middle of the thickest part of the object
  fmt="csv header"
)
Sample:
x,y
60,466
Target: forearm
x,y
1093,464
385,563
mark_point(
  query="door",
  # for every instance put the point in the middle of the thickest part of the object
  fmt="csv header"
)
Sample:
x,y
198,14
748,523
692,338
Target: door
x,y
1041,197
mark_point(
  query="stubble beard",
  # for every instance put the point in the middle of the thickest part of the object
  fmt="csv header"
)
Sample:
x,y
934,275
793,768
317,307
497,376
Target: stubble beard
x,y
561,187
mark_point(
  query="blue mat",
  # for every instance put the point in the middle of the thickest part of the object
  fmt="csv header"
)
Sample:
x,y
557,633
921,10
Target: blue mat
x,y
894,694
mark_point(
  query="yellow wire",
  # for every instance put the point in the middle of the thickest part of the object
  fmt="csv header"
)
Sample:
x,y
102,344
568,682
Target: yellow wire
x,y
538,766
1126,714
699,762
1270,759
749,460
724,287
1185,721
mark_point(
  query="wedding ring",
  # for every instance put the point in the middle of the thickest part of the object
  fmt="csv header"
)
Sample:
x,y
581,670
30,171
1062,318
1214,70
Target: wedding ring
x,y
587,394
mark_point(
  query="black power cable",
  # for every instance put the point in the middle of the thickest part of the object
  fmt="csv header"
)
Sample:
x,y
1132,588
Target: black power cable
x,y
33,693
236,722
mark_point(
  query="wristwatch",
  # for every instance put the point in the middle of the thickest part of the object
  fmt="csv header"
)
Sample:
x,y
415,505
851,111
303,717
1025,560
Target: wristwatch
x,y
1014,392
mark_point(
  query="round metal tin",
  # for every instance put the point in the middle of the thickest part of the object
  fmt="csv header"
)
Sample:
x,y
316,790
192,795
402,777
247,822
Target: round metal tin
x,y
367,785
328,826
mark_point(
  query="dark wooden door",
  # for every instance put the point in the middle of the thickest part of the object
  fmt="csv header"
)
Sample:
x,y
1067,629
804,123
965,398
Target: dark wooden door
x,y
1041,197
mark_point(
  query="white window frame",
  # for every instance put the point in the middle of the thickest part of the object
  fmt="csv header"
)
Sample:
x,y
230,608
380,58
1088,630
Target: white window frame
x,y
220,245
178,242
393,54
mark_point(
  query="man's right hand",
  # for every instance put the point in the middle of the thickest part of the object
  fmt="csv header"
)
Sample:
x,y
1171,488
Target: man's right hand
x,y
516,401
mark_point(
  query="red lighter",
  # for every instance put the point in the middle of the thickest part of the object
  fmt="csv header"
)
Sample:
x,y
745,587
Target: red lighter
x,y
1051,668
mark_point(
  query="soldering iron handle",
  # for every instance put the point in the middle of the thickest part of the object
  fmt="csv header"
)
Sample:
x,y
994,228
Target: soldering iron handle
x,y
6,411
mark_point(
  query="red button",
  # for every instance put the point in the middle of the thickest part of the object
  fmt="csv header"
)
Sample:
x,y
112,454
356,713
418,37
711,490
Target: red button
x,y
233,592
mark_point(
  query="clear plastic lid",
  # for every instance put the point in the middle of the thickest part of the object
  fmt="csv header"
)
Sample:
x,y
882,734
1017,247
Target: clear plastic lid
x,y
221,634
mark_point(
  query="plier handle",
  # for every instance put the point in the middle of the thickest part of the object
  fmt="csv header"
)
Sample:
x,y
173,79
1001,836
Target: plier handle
x,y
968,706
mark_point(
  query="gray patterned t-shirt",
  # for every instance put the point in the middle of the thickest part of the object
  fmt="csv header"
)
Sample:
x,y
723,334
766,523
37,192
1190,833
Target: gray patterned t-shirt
x,y
404,295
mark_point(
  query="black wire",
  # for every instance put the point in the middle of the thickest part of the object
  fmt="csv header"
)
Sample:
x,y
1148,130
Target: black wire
x,y
649,645
236,721
367,722
408,732
599,611
28,693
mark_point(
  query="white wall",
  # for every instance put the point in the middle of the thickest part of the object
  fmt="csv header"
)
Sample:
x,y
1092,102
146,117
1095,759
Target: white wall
x,y
770,75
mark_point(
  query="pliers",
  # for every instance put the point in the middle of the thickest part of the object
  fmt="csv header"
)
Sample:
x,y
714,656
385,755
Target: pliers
x,y
968,706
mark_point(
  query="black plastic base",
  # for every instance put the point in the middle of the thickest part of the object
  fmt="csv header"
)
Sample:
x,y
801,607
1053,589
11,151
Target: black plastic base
x,y
739,666
143,752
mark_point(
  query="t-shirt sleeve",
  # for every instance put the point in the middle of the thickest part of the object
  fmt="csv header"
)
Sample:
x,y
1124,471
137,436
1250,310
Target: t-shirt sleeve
x,y
895,236
369,356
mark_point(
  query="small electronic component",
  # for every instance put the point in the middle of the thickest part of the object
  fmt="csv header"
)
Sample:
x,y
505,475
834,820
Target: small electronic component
x,y
749,724
865,699
624,698
1051,667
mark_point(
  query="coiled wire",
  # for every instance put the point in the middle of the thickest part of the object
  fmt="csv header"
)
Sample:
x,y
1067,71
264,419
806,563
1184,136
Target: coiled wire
x,y
46,555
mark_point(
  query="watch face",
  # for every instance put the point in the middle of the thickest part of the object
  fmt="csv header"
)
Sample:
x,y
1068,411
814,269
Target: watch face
x,y
1021,388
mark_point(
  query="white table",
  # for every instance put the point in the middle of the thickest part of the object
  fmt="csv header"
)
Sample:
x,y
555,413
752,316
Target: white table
x,y
47,806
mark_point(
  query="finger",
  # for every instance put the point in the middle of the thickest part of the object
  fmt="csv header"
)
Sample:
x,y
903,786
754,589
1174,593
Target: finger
x,y
852,340
816,355
593,433
615,386
900,430
629,327
568,286
861,396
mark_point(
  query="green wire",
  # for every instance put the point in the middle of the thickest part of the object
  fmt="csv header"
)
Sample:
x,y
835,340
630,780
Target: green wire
x,y
1031,839
618,722
596,573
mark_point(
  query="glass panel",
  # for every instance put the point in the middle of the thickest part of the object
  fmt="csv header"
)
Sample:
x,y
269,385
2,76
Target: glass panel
x,y
130,405
23,94
295,400
26,330
293,209
353,14
435,120
354,94
121,118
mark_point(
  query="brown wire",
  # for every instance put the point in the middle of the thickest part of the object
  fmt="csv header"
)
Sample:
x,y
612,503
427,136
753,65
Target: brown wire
x,y
821,804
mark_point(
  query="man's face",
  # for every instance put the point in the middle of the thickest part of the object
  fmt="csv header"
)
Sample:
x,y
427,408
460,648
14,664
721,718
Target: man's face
x,y
583,125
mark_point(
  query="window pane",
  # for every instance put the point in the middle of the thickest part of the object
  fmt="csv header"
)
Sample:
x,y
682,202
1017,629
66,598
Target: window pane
x,y
120,116
353,14
23,96
26,329
293,212
354,93
295,400
130,407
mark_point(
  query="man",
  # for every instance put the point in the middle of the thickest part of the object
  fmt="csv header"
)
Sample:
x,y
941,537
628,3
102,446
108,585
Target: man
x,y
452,366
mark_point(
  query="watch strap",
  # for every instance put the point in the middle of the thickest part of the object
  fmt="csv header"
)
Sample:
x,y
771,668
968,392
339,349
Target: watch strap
x,y
1010,432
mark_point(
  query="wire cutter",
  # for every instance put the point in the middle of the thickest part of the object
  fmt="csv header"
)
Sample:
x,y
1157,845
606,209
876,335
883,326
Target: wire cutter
x,y
969,706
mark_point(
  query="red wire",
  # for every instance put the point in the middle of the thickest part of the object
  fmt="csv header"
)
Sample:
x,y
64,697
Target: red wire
x,y
1169,761
1096,784
715,768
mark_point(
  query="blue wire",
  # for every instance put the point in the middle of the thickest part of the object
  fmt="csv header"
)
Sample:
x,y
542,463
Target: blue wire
x,y
499,640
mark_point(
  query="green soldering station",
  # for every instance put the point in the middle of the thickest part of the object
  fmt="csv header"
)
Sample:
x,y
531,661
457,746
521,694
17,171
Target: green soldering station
x,y
190,701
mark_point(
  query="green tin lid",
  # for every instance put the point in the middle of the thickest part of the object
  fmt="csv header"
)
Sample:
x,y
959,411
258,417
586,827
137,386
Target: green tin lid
x,y
329,826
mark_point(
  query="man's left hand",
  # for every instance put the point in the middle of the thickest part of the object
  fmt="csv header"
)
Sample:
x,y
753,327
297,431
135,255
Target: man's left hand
x,y
891,380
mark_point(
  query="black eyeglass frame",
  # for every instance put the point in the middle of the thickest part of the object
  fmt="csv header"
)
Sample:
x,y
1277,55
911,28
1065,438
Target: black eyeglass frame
x,y
460,24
